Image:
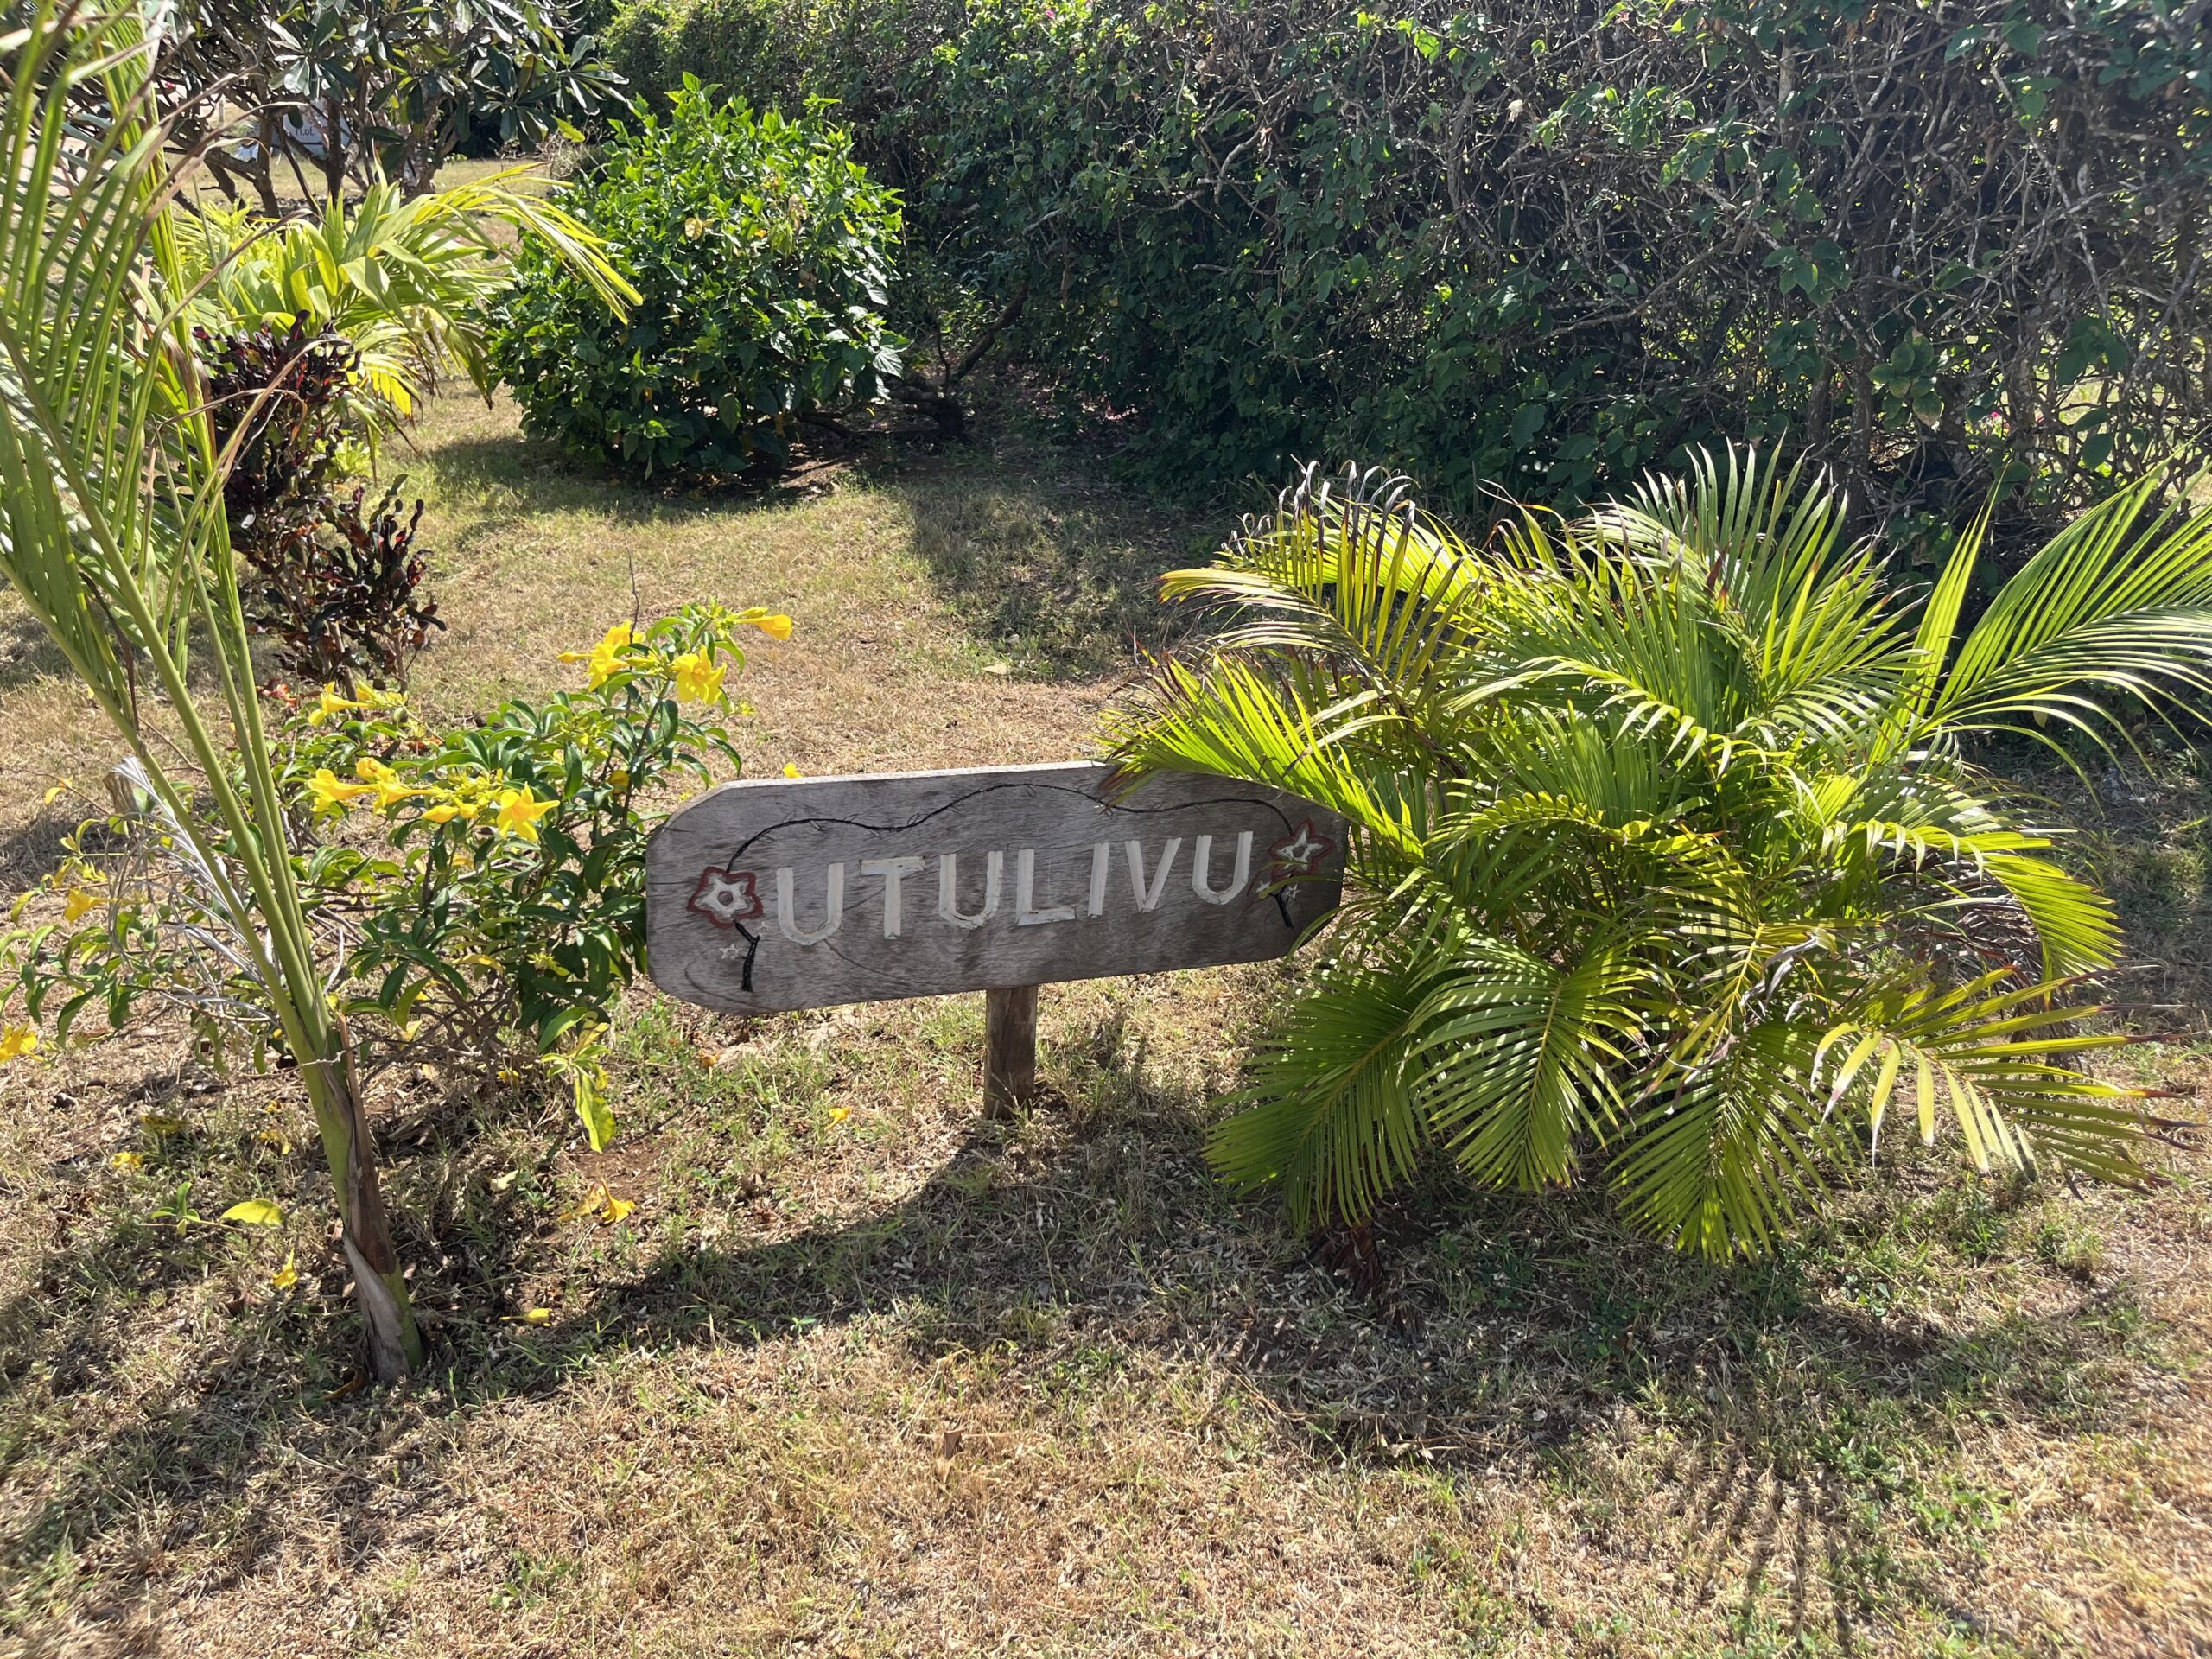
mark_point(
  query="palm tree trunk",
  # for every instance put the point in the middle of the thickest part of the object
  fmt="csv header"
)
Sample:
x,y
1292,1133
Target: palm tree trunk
x,y
395,1343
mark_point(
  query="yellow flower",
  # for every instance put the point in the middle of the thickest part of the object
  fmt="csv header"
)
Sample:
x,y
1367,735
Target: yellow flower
x,y
56,793
78,901
390,791
519,812
288,1275
331,793
697,679
772,625
619,778
839,1114
791,770
127,1161
694,228
331,703
606,657
17,1041
447,811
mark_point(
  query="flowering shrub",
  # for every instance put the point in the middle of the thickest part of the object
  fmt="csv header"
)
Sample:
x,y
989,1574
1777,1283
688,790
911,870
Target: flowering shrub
x,y
761,253
488,884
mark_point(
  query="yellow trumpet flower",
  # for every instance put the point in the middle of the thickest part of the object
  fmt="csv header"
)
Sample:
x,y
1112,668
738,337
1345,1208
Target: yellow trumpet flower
x,y
519,812
331,704
331,793
606,657
697,680
773,624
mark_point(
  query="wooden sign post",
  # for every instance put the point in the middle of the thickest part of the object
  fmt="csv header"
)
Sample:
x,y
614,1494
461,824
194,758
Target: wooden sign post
x,y
784,893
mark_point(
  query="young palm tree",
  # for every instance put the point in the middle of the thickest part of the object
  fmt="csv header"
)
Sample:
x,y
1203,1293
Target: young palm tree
x,y
1670,859
406,280
112,531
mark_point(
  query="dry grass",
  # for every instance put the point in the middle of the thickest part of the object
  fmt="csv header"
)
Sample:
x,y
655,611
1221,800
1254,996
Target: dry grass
x,y
861,1375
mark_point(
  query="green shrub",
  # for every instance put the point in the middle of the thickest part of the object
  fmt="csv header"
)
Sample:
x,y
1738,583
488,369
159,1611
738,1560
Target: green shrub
x,y
1547,246
780,55
1668,863
761,253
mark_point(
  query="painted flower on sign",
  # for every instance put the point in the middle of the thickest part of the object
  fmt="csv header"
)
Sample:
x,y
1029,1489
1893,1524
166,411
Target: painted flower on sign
x,y
727,897
1298,853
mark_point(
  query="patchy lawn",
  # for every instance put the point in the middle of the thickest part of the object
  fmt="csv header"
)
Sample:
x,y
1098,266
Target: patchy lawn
x,y
863,1375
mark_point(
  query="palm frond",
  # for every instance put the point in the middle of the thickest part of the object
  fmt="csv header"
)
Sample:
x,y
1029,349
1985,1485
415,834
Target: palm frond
x,y
404,279
2117,606
1329,1110
1991,1056
1238,721
1515,1058
1722,1159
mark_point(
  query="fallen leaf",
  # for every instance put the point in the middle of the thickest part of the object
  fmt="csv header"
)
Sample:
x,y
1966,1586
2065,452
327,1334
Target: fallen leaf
x,y
255,1212
56,793
614,1210
276,1138
503,1180
353,1385
536,1316
589,1205
127,1161
286,1276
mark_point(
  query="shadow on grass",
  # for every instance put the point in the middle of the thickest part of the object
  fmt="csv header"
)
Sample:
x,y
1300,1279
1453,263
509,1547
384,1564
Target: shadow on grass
x,y
1781,1431
1054,570
1061,575
28,653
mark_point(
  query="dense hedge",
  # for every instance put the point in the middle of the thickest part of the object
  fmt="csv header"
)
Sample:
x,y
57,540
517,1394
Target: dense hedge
x,y
1549,242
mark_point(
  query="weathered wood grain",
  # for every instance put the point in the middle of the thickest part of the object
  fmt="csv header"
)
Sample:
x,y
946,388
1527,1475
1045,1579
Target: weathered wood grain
x,y
796,893
1009,1051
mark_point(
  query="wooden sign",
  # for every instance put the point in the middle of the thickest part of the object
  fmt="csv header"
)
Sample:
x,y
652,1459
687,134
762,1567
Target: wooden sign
x,y
784,893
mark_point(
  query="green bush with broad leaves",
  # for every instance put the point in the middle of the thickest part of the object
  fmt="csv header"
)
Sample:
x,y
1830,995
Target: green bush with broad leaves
x,y
761,253
1671,866
488,883
1944,248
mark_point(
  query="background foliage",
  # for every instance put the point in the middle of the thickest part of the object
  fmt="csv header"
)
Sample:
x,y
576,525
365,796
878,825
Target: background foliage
x,y
762,255
400,84
1546,246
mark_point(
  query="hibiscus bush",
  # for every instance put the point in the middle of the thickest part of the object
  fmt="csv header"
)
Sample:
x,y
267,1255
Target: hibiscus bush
x,y
488,883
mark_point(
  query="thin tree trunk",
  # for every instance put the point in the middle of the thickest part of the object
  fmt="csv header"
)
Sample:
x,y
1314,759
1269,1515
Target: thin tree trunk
x,y
395,1343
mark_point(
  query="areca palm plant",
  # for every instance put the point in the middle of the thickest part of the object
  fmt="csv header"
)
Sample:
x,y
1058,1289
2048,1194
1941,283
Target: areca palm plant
x,y
406,280
1671,862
